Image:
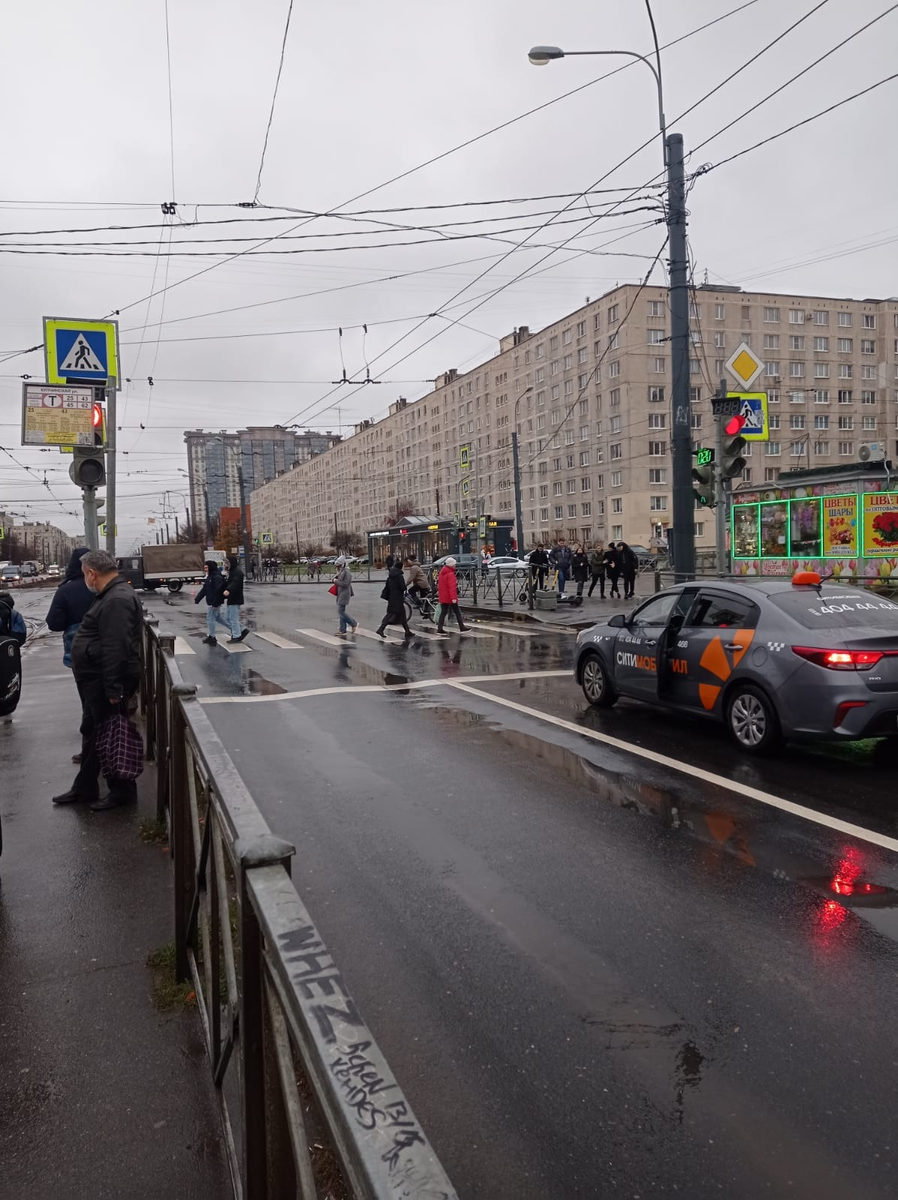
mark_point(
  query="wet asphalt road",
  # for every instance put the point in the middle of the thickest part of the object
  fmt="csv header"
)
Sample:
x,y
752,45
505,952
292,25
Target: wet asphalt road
x,y
594,975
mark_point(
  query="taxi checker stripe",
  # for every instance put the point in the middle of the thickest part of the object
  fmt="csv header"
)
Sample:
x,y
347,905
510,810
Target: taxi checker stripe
x,y
693,771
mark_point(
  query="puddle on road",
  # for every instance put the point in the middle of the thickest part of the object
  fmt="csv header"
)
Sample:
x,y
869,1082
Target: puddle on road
x,y
836,884
258,685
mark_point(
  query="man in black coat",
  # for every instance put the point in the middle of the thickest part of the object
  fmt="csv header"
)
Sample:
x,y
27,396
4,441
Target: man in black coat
x,y
539,565
212,592
106,664
233,594
394,594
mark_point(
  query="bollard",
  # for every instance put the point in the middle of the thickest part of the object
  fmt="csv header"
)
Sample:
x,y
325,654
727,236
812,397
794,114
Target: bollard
x,y
499,585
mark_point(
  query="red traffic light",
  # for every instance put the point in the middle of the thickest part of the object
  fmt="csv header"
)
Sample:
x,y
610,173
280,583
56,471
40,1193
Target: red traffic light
x,y
733,426
98,416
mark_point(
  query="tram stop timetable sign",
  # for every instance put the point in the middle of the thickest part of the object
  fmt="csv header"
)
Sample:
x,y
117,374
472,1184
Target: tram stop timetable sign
x,y
81,351
744,365
57,416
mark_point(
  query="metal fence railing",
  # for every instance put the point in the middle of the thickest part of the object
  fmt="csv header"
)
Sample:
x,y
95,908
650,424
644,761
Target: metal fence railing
x,y
503,587
308,1104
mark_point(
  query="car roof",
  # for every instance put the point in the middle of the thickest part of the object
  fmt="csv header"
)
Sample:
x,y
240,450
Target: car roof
x,y
768,586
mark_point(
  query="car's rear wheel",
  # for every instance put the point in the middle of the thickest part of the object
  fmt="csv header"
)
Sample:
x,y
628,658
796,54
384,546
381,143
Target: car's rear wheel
x,y
597,686
752,721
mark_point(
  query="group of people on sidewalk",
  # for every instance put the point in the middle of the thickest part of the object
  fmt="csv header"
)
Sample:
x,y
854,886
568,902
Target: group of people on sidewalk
x,y
614,562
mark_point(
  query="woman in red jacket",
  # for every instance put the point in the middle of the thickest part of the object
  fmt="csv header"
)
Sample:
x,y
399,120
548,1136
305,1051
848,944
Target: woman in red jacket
x,y
447,592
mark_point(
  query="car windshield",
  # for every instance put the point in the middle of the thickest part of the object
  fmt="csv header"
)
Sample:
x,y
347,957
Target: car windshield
x,y
842,609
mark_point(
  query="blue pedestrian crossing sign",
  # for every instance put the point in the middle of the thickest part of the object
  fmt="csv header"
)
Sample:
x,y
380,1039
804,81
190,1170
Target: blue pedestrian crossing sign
x,y
76,350
753,408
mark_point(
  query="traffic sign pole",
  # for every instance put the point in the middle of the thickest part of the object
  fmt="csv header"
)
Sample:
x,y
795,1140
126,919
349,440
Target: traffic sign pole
x,y
111,440
723,495
681,435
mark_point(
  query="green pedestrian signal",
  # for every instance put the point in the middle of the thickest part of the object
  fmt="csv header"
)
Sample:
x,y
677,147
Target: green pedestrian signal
x,y
704,455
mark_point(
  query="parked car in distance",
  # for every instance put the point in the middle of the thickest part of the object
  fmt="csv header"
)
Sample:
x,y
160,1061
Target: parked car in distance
x,y
509,564
464,563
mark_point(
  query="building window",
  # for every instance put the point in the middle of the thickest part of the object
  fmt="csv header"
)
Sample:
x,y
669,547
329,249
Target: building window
x,y
845,395
557,488
772,368
868,372
658,503
720,312
696,421
846,422
821,317
845,320
586,483
657,420
796,342
569,437
796,316
775,420
821,343
568,387
821,422
771,314
771,449
695,395
581,329
617,532
540,353
695,313
868,345
773,397
615,425
821,448
657,449
615,397
656,395
771,474
659,365
746,475
796,370
797,421
846,345
617,504
656,308
868,397
543,491
869,321
571,510
797,397
544,514
796,449
821,396
771,341
821,370
657,475
582,355
616,478
720,341
846,448
616,451
655,337
584,433
613,370
869,423
613,314
586,509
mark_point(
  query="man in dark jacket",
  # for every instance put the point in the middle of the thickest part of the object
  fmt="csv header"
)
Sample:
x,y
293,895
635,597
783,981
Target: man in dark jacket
x,y
539,565
212,592
560,558
233,593
106,664
394,594
71,602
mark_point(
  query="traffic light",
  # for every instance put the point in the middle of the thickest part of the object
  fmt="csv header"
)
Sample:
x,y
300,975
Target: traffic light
x,y
704,476
732,461
99,425
88,467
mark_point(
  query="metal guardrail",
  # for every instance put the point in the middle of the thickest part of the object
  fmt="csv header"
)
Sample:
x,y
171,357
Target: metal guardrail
x,y
503,587
304,1092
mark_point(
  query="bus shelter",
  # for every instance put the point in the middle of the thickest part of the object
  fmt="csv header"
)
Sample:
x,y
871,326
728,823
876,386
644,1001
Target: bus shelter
x,y
429,538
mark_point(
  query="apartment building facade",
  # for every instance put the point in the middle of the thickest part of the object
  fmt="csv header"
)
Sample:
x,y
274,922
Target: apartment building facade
x,y
590,396
262,452
38,541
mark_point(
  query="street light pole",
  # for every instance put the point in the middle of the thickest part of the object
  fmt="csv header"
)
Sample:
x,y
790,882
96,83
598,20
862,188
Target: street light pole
x,y
683,541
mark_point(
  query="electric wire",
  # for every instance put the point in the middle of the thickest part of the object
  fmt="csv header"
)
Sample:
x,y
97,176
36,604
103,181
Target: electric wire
x,y
277,84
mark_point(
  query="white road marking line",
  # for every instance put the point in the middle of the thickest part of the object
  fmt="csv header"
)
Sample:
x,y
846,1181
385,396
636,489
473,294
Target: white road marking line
x,y
685,768
182,646
237,648
469,632
328,638
276,640
368,633
361,688
514,630
421,633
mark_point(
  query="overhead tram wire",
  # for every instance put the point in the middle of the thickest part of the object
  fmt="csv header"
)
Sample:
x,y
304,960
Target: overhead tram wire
x,y
429,162
277,84
171,110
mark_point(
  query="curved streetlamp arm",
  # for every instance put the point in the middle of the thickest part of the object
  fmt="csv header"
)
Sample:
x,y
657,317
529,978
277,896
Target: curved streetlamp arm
x,y
642,58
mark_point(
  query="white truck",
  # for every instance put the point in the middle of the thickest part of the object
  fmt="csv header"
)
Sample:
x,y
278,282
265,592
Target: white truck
x,y
168,566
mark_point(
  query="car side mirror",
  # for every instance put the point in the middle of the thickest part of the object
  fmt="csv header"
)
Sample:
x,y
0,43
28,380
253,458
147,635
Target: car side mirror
x,y
618,621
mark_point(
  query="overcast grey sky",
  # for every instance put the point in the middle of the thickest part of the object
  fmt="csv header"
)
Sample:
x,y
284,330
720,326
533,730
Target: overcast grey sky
x,y
370,90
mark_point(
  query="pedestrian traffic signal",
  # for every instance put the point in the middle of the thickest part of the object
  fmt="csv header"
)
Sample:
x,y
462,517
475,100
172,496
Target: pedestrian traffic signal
x,y
732,461
88,467
705,479
99,425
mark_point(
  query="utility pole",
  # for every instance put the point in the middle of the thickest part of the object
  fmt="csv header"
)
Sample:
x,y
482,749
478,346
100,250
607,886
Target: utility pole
x,y
681,433
110,463
91,520
720,512
518,515
208,514
243,521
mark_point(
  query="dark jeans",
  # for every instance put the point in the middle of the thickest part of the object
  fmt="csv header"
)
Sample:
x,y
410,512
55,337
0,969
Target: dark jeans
x,y
449,608
629,584
538,576
95,709
580,585
597,578
613,577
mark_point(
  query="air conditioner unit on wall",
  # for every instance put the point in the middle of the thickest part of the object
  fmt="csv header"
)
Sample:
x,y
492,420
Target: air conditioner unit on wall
x,y
872,452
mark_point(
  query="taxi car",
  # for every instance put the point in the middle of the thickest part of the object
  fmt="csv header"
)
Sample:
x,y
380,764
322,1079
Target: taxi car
x,y
773,659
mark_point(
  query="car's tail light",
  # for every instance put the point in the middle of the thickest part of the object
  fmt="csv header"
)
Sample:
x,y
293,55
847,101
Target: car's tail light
x,y
840,660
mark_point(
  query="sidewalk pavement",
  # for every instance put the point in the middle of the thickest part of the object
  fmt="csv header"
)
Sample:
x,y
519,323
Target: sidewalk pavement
x,y
592,609
101,1095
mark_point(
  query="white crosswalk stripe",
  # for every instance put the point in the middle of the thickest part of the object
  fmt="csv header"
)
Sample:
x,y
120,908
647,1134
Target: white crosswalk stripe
x,y
276,640
469,632
514,630
236,648
421,633
182,646
329,639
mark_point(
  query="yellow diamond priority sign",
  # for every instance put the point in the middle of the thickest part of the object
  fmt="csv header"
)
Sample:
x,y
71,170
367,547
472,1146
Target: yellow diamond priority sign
x,y
744,365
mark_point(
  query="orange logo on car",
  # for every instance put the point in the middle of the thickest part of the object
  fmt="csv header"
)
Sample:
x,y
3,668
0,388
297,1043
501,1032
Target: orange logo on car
x,y
717,663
